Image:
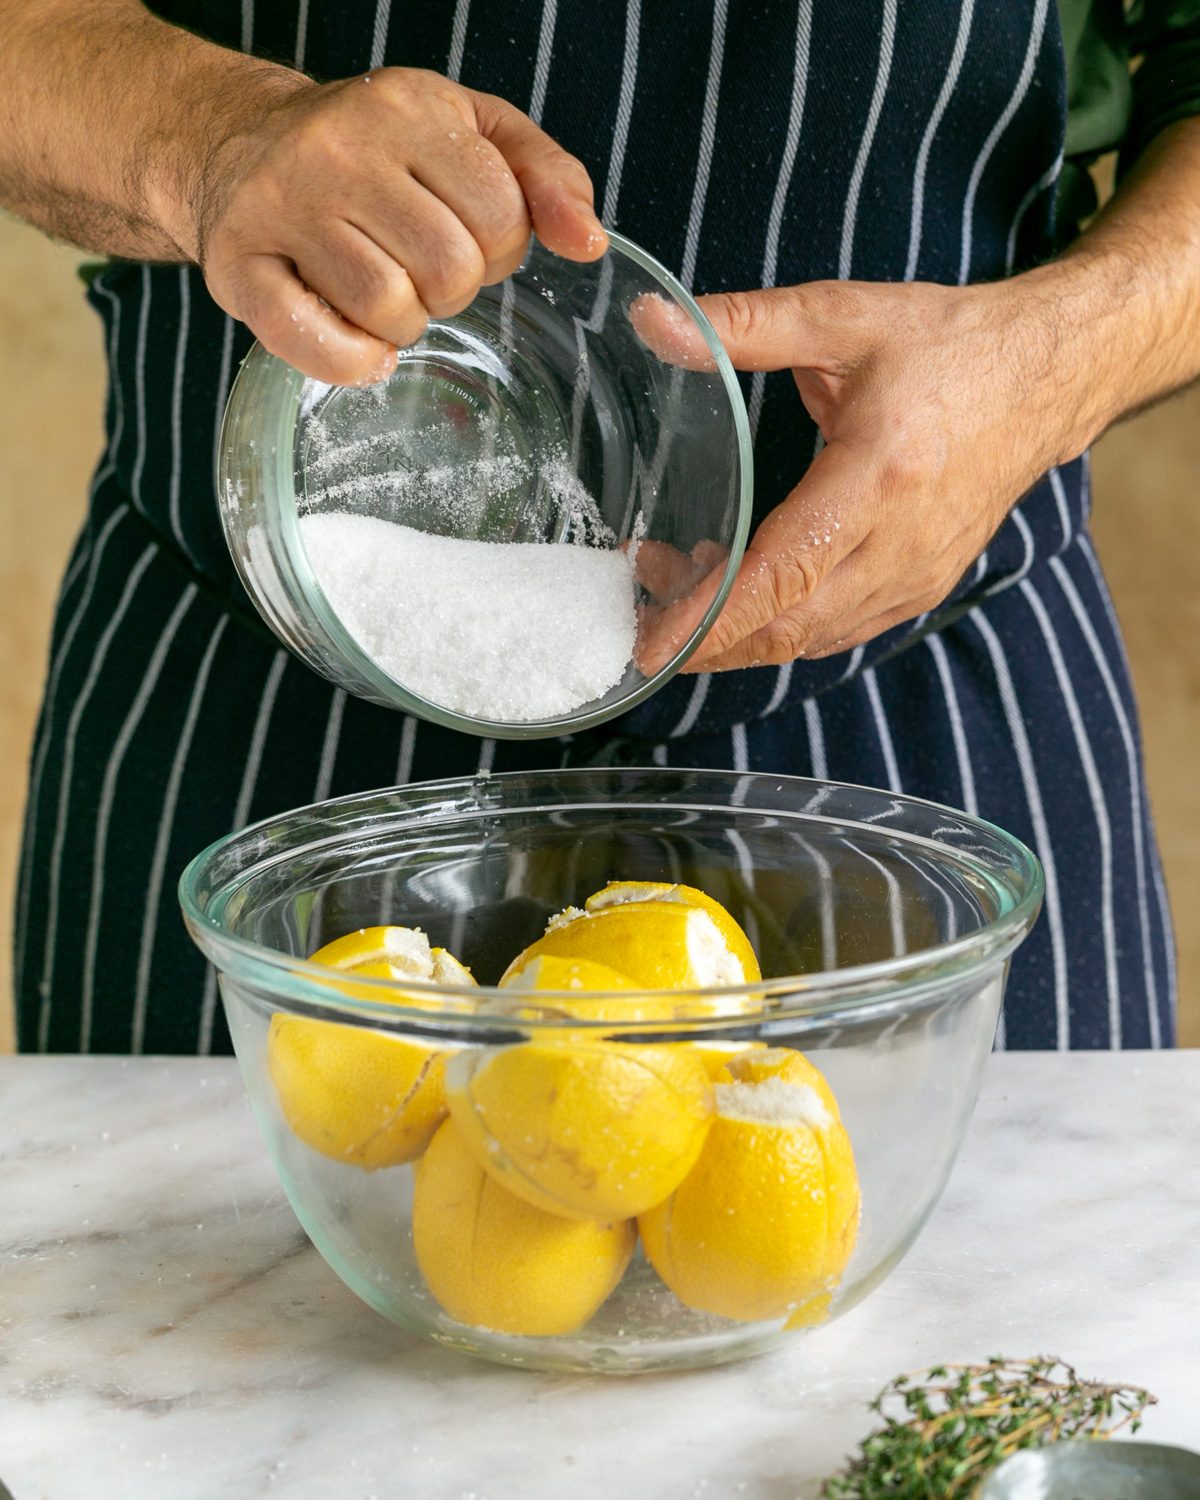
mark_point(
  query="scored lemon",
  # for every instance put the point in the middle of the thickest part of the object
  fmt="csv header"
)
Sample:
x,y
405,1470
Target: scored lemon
x,y
598,1130
623,892
714,1055
657,945
393,953
356,1095
763,1225
497,1262
580,976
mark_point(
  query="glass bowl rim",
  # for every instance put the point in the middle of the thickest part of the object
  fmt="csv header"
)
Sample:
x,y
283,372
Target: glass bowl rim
x,y
397,694
898,983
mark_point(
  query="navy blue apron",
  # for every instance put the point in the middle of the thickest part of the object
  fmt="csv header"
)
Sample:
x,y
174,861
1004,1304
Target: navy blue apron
x,y
761,144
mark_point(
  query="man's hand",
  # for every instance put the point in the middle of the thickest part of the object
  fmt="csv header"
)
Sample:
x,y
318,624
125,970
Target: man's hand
x,y
937,407
333,219
336,220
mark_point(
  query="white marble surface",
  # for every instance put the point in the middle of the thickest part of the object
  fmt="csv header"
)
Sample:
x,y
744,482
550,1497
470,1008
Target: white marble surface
x,y
166,1331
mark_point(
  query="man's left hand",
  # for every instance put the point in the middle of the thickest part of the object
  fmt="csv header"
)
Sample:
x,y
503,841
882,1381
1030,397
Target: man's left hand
x,y
939,408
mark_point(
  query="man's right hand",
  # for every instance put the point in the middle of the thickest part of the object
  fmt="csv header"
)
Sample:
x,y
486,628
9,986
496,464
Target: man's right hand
x,y
335,220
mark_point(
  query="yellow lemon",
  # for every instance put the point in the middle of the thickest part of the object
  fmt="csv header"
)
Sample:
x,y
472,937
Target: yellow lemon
x,y
353,1094
495,1261
657,945
754,1066
716,1056
622,892
763,1225
392,953
548,972
597,1130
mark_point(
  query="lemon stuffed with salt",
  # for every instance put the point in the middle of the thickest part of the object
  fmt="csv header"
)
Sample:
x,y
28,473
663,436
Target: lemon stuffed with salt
x,y
737,945
763,1225
495,1261
661,937
589,1129
730,958
356,1095
575,979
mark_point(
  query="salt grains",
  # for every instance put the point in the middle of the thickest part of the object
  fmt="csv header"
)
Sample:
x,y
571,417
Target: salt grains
x,y
511,632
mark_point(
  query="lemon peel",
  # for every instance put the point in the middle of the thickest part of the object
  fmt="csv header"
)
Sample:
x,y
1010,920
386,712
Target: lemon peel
x,y
764,1224
355,1095
622,892
588,1129
658,945
494,1261
582,977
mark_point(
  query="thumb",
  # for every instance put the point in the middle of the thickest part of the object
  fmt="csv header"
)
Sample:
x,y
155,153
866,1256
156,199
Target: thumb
x,y
556,185
781,328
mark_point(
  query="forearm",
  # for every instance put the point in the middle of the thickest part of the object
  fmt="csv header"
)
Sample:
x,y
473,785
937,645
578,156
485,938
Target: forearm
x,y
1122,304
108,117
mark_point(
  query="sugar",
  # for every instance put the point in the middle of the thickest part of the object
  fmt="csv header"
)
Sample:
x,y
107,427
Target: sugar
x,y
511,632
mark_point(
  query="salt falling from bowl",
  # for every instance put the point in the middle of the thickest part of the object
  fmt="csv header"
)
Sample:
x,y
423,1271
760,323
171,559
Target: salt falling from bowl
x,y
513,632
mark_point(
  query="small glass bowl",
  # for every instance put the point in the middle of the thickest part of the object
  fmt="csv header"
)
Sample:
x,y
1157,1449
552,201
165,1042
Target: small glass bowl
x,y
537,415
885,925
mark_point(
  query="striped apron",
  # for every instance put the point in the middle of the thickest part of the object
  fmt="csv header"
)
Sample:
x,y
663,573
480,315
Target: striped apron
x,y
757,144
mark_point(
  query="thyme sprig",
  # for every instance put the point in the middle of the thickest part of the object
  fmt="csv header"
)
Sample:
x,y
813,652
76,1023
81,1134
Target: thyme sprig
x,y
944,1428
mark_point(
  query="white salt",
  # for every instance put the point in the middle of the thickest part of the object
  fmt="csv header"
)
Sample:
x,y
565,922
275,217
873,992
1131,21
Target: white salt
x,y
512,631
773,1102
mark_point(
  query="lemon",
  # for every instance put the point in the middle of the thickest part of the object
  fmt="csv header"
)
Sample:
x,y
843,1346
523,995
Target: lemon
x,y
597,1130
392,953
356,1095
657,945
583,975
622,892
497,1262
716,1056
763,1225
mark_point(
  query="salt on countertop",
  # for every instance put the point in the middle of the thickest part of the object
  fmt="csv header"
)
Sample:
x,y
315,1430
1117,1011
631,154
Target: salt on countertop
x,y
512,632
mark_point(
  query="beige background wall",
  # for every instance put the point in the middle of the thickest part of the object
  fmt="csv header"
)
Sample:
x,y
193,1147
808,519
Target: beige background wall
x,y
1148,515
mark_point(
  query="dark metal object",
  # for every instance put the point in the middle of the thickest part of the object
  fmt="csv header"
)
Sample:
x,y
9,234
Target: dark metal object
x,y
1092,1470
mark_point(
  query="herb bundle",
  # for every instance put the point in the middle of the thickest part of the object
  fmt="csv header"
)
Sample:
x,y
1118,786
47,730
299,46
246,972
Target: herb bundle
x,y
944,1429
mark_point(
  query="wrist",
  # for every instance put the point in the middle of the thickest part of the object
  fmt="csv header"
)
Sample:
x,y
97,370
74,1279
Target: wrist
x,y
1072,319
218,107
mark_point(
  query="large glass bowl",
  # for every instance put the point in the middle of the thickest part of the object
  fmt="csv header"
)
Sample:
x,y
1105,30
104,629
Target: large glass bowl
x,y
884,926
548,412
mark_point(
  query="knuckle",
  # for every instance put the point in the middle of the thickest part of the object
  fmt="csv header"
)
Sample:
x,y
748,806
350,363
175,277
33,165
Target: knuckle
x,y
267,318
746,316
453,277
366,291
407,327
784,639
506,229
794,579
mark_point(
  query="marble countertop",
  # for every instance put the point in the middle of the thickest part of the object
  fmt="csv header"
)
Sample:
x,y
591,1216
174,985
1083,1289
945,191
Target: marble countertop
x,y
166,1330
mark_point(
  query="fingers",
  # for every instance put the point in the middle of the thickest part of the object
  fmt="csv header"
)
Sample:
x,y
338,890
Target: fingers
x,y
667,574
797,546
555,185
291,321
471,177
816,325
815,627
860,599
417,230
667,330
366,285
